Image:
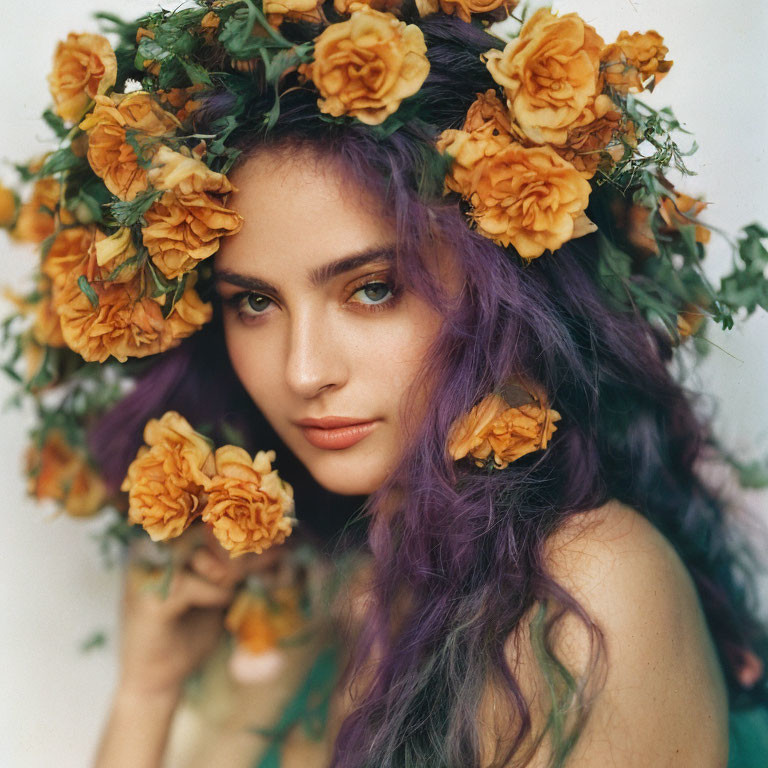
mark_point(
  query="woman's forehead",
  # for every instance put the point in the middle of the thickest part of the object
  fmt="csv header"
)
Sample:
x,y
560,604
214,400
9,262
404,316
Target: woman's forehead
x,y
304,213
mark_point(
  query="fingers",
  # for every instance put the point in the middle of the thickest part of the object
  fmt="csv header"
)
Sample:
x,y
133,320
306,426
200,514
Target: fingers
x,y
186,588
212,568
189,590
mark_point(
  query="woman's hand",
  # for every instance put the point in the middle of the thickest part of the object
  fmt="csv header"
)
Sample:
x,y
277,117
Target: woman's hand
x,y
166,635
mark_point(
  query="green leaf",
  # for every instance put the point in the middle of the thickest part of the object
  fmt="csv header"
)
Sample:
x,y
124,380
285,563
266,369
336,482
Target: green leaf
x,y
150,50
172,74
61,160
179,291
196,73
137,259
142,149
87,289
55,123
94,641
162,286
130,212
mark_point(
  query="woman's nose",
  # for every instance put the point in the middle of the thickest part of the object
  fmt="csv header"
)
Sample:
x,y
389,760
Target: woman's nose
x,y
315,359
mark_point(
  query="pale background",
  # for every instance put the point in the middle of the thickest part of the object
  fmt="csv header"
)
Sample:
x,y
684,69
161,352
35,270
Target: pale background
x,y
55,591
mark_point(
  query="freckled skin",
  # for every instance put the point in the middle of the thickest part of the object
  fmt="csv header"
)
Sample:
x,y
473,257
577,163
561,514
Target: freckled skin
x,y
315,351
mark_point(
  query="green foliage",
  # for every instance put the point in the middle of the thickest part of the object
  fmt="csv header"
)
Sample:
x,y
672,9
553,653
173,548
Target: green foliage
x,y
55,123
91,195
87,289
126,213
746,286
63,159
94,641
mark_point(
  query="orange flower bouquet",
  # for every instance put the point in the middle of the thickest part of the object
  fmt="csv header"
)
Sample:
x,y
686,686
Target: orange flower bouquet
x,y
177,478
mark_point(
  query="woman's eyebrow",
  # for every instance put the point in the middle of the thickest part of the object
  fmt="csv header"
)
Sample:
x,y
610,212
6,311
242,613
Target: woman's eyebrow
x,y
319,275
323,274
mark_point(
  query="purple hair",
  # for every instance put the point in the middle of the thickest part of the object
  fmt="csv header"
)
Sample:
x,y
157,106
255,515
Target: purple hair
x,y
468,546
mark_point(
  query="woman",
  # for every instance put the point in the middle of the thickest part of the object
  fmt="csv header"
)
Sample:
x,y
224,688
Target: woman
x,y
572,598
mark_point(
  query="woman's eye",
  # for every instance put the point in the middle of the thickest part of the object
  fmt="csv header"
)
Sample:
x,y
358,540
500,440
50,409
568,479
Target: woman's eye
x,y
247,304
255,302
375,293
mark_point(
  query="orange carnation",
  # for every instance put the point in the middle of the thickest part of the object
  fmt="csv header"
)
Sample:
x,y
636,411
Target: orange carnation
x,y
84,66
60,472
165,480
689,320
493,427
635,62
296,10
185,174
136,115
115,255
125,323
248,506
682,210
68,253
259,623
486,132
350,6
182,230
367,65
530,198
551,76
36,219
463,8
589,145
7,206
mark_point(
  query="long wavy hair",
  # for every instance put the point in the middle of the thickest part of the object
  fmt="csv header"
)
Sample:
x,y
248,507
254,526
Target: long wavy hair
x,y
468,546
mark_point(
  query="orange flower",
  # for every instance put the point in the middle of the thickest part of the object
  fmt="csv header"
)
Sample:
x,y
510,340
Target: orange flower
x,y
182,230
588,145
209,24
689,320
297,10
113,121
493,427
638,229
486,131
125,323
165,480
58,471
635,62
184,174
248,505
350,6
682,210
463,8
530,198
181,100
113,252
366,66
259,623
84,66
36,219
551,76
69,252
7,206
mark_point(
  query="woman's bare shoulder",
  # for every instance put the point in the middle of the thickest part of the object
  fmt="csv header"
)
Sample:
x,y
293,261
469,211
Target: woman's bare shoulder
x,y
664,700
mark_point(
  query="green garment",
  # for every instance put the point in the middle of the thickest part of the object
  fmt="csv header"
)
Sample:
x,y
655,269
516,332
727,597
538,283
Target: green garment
x,y
748,738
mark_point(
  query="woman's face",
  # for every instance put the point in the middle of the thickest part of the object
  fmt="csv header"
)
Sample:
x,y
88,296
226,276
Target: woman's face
x,y
315,328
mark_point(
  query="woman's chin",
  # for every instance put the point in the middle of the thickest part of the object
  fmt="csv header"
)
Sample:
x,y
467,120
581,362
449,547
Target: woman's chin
x,y
348,479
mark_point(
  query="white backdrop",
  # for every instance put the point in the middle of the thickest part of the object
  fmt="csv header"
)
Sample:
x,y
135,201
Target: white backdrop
x,y
54,590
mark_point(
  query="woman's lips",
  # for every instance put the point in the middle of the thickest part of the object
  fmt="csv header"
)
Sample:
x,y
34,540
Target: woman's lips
x,y
339,437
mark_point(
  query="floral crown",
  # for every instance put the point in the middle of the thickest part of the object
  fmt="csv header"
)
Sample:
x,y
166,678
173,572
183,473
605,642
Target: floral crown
x,y
131,205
